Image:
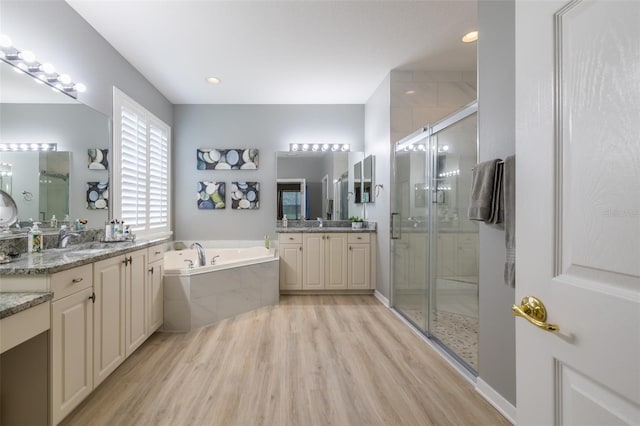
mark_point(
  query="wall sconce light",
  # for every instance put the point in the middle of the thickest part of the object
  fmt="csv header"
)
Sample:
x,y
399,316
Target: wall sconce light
x,y
28,147
25,61
319,147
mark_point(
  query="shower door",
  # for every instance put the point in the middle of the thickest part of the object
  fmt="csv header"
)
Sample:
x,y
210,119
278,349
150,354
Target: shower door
x,y
434,245
411,229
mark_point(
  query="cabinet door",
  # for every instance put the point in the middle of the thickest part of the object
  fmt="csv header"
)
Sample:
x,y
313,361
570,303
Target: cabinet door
x,y
135,301
109,344
290,266
155,296
313,264
359,266
336,260
71,352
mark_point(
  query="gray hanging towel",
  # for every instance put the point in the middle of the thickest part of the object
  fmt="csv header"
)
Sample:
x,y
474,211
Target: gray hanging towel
x,y
486,188
509,184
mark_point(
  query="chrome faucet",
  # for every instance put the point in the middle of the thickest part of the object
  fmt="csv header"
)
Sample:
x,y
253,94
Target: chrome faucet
x,y
200,250
321,222
213,259
63,237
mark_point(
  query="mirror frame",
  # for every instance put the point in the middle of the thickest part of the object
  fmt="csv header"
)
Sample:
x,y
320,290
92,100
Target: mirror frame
x,y
368,179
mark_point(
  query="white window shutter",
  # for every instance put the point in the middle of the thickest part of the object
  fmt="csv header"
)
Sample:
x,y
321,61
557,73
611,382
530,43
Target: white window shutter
x,y
142,148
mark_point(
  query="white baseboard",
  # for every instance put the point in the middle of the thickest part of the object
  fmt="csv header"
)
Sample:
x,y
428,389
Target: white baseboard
x,y
497,400
381,298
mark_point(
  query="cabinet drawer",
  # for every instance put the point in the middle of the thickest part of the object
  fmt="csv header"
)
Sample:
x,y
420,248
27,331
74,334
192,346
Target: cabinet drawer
x,y
156,253
72,280
359,237
290,238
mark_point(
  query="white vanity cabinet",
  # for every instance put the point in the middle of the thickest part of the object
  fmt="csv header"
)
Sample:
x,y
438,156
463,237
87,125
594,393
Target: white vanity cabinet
x,y
359,261
121,310
71,339
290,250
155,297
326,261
109,317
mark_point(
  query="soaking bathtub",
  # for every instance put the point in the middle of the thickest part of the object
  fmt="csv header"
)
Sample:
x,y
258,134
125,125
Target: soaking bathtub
x,y
240,280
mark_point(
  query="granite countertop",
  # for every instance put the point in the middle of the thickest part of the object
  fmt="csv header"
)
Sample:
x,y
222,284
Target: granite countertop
x,y
12,303
327,229
55,260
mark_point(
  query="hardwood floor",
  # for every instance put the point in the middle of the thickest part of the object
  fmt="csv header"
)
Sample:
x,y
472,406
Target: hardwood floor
x,y
311,360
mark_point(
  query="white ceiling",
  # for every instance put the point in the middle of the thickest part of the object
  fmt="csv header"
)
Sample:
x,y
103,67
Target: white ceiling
x,y
284,52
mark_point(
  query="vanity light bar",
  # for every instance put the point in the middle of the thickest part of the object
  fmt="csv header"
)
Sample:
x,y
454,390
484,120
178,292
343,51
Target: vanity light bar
x,y
319,147
25,61
28,147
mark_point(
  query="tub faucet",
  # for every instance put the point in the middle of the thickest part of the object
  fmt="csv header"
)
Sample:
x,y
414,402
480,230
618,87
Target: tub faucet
x,y
63,237
213,259
200,250
321,222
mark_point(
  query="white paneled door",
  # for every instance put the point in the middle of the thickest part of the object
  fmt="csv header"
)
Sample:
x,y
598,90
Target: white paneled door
x,y
578,210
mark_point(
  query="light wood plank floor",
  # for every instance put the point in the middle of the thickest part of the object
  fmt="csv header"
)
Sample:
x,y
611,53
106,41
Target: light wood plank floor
x,y
311,360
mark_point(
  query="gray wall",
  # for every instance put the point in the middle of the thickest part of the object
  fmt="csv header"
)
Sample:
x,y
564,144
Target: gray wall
x,y
269,128
496,126
57,34
378,143
75,128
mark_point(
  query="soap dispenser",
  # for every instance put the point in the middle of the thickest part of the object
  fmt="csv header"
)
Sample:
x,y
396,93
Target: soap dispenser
x,y
35,242
284,221
54,221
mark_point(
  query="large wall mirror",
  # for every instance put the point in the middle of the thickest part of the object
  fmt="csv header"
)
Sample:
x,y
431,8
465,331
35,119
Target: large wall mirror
x,y
317,184
48,183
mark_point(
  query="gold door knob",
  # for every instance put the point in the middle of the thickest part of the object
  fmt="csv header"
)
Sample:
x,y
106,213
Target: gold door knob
x,y
533,310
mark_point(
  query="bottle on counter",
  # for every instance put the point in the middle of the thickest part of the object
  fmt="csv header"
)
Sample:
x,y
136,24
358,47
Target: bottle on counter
x,y
267,243
284,221
34,240
54,221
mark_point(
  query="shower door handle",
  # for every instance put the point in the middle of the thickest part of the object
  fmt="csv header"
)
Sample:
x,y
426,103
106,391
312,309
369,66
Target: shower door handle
x,y
395,229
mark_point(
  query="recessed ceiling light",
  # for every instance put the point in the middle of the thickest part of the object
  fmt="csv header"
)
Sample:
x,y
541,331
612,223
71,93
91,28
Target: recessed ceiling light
x,y
410,92
470,37
213,80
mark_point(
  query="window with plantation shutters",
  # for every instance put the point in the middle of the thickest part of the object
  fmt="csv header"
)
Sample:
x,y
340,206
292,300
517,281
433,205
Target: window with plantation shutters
x,y
141,187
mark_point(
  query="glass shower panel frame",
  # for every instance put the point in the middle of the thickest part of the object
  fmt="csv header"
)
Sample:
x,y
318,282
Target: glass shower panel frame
x,y
411,228
453,288
427,213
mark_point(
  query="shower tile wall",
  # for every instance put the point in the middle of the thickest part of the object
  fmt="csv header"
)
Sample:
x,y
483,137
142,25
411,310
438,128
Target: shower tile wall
x,y
421,97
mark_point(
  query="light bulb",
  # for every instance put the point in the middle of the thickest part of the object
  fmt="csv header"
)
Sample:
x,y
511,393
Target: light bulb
x,y
14,146
64,78
470,37
335,147
48,68
45,146
345,147
5,41
325,147
305,146
315,147
24,146
80,88
294,147
27,56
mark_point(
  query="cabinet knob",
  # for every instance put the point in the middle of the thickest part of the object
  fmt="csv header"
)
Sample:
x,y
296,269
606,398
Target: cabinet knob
x,y
151,269
77,280
300,248
157,252
93,297
350,248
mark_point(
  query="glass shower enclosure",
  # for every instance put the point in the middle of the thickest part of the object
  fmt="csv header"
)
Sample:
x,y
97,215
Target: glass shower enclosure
x,y
434,245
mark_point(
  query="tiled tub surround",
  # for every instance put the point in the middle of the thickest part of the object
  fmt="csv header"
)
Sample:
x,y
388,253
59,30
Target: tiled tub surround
x,y
244,279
